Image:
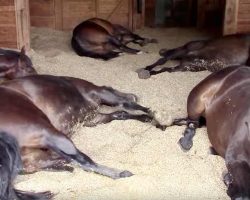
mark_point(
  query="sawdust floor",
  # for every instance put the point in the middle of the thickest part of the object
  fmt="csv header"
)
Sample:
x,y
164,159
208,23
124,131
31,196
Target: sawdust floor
x,y
162,170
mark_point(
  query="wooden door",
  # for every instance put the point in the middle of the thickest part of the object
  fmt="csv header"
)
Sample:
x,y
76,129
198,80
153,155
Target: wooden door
x,y
230,17
14,23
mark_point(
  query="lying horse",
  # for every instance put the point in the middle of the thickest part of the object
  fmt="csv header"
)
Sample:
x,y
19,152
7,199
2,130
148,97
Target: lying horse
x,y
10,166
223,100
212,55
40,111
124,35
15,64
98,38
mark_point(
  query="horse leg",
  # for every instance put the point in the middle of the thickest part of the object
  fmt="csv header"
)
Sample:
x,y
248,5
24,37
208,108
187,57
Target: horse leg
x,y
111,97
122,47
186,142
172,54
140,40
23,195
64,147
183,67
123,115
47,161
144,73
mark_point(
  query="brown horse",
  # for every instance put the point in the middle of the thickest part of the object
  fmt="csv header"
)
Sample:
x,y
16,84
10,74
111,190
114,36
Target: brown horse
x,y
212,55
98,38
10,166
40,111
15,64
121,33
223,100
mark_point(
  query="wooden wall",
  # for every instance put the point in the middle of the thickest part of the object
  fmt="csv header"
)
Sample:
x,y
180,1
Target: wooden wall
x,y
237,17
243,21
14,23
66,14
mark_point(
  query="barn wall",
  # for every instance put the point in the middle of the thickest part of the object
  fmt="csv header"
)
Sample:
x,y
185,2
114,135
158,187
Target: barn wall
x,y
14,23
243,18
66,14
237,17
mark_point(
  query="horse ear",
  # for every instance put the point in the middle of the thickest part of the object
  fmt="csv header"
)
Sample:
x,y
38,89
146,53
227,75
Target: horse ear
x,y
23,50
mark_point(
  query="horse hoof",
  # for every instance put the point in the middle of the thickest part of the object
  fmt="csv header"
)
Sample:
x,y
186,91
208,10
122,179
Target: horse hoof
x,y
185,145
140,52
125,174
227,178
143,74
162,127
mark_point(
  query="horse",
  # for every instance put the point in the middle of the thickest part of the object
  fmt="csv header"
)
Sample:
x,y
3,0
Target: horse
x,y
41,110
211,54
15,64
10,166
122,34
98,38
222,99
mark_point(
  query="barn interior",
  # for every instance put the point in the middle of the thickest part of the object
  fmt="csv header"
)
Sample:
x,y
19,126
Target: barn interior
x,y
161,169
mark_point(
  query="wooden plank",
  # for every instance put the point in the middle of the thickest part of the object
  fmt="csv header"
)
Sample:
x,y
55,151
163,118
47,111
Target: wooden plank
x,y
116,11
75,11
244,7
22,23
43,13
8,24
25,26
6,2
42,8
244,2
130,15
7,18
230,17
48,22
59,14
8,34
7,8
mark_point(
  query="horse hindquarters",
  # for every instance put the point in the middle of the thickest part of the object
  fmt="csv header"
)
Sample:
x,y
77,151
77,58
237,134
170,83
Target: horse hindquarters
x,y
103,53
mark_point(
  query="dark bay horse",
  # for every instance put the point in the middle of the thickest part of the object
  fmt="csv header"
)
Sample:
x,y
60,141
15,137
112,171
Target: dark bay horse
x,y
212,55
98,38
124,35
10,166
40,111
15,64
223,100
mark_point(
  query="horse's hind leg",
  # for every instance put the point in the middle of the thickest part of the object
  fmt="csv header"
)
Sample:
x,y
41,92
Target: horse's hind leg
x,y
119,45
183,67
111,97
140,40
23,195
171,54
186,142
47,161
65,148
123,115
